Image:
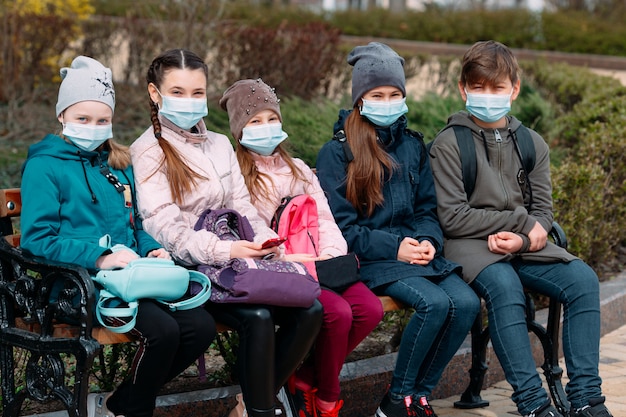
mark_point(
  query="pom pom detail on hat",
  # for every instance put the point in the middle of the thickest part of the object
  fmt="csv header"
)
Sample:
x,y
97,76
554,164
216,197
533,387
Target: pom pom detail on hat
x,y
85,80
244,99
375,65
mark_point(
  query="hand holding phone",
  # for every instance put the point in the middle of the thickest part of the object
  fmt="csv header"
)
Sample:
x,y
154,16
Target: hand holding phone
x,y
271,243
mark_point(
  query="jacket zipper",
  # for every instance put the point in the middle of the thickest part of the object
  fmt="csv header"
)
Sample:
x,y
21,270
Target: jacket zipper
x,y
496,133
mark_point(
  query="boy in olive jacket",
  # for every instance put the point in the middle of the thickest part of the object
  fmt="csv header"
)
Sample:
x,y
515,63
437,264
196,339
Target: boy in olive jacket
x,y
498,233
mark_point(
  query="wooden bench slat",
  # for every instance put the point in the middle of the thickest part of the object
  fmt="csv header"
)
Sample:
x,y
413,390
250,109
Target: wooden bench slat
x,y
10,202
101,334
389,304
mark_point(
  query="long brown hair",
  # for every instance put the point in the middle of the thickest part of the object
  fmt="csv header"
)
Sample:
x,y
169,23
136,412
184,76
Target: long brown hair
x,y
259,184
181,178
366,173
119,155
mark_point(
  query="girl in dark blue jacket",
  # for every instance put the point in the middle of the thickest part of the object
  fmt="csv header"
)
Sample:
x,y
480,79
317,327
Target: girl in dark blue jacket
x,y
377,177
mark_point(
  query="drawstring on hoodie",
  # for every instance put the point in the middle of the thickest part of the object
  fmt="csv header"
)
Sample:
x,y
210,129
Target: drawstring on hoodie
x,y
482,134
94,200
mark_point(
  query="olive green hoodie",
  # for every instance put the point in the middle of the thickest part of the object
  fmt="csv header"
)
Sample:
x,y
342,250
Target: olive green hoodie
x,y
498,203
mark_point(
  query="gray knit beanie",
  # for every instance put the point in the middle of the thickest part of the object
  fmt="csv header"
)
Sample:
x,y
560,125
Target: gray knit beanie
x,y
86,79
244,99
375,65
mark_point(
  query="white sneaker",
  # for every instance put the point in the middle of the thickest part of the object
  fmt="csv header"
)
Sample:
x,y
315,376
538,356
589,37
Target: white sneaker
x,y
240,408
97,405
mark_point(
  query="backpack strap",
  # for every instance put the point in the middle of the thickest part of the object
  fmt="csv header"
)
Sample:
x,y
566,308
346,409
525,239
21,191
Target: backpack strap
x,y
527,151
467,150
528,156
340,136
279,211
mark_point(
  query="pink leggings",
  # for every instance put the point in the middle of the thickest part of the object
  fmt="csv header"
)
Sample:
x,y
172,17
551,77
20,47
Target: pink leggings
x,y
348,319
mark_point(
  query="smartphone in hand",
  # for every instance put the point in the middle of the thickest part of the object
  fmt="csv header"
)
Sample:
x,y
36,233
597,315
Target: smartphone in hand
x,y
270,243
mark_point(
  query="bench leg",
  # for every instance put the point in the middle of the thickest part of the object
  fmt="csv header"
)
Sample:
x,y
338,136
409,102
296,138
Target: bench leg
x,y
85,360
11,400
471,397
549,338
46,374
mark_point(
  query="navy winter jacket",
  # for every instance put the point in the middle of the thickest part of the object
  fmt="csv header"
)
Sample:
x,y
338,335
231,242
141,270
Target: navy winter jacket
x,y
409,208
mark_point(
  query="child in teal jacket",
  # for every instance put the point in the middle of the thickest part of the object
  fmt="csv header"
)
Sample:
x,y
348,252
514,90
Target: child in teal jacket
x,y
78,200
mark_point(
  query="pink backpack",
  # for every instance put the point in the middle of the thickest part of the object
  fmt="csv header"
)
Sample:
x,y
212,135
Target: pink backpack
x,y
296,219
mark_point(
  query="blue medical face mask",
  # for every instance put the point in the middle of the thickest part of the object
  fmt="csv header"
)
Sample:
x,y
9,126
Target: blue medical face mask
x,y
183,112
87,137
384,113
263,139
488,107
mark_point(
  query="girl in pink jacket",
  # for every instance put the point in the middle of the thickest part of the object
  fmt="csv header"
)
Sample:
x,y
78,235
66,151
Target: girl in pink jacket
x,y
182,169
271,174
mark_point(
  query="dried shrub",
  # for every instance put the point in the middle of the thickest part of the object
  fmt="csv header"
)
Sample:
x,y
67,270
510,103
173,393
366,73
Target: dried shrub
x,y
298,60
33,37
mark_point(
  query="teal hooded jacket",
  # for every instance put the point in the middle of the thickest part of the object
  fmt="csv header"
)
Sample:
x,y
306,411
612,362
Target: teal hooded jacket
x,y
68,205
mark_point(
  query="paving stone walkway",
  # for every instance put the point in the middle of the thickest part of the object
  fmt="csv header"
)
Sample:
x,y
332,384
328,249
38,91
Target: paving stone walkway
x,y
612,371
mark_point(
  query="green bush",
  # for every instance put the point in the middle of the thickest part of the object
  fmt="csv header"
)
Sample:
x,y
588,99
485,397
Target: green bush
x,y
590,187
601,31
582,32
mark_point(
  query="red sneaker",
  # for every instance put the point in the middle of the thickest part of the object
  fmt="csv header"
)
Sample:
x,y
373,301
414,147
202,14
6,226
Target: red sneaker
x,y
303,401
331,413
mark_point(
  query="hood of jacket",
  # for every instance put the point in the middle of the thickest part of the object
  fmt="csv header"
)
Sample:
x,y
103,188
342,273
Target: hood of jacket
x,y
463,118
69,204
57,147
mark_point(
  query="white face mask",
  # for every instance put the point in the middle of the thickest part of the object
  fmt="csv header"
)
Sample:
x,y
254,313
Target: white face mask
x,y
183,112
87,137
488,107
263,138
384,113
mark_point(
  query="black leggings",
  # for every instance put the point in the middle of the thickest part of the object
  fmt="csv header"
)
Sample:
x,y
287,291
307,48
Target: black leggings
x,y
266,358
169,343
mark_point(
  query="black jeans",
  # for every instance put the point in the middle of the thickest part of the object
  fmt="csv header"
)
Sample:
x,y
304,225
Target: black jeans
x,y
169,343
266,356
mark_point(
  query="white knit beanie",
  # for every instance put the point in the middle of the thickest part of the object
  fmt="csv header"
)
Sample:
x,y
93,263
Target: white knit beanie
x,y
86,79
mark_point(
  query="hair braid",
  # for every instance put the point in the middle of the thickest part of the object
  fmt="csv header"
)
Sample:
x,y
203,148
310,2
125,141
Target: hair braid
x,y
154,118
181,177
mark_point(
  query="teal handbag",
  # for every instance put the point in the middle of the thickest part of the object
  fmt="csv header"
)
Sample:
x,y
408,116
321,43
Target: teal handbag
x,y
155,278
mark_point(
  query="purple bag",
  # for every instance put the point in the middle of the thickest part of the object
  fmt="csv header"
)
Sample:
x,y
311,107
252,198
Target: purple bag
x,y
254,281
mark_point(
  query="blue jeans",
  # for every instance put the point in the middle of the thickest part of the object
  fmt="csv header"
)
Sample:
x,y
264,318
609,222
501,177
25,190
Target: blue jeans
x,y
576,286
445,309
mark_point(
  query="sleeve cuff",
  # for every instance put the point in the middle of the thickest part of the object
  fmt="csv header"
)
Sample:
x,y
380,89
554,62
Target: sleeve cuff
x,y
525,244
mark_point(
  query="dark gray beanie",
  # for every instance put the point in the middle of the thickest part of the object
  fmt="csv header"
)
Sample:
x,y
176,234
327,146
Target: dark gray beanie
x,y
375,65
85,80
244,99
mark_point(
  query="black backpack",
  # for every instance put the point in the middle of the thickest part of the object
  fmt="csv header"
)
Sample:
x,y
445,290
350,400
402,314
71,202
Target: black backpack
x,y
525,150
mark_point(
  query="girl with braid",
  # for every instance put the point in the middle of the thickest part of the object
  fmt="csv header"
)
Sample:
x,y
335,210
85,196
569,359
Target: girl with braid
x,y
77,187
182,169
